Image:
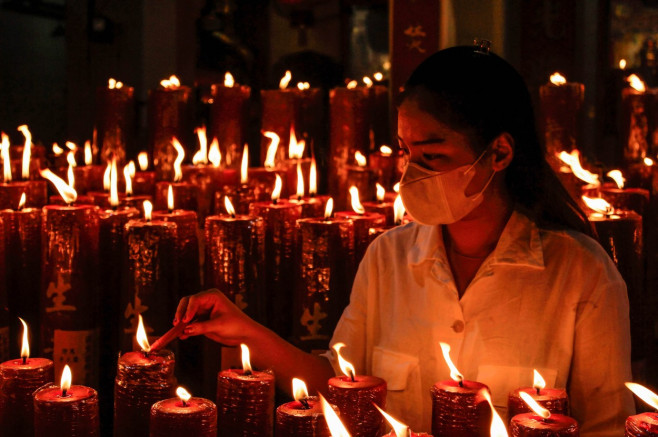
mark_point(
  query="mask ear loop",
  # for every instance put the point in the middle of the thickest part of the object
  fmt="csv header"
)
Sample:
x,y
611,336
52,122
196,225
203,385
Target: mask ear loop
x,y
477,160
493,173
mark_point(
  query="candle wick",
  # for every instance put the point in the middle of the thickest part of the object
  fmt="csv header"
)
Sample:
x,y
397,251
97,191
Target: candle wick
x,y
24,360
538,391
64,392
146,353
299,198
352,376
305,404
232,215
274,201
184,403
247,373
312,195
398,222
461,383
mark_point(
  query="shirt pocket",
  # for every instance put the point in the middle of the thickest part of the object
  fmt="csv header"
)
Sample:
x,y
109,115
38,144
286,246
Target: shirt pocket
x,y
402,375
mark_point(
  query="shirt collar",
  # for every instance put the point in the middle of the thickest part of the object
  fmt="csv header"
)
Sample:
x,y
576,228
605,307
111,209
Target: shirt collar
x,y
519,244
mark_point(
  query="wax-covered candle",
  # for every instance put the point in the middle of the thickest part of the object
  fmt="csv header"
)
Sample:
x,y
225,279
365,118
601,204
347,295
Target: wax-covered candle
x,y
561,102
303,417
554,400
388,165
183,415
541,422
634,126
115,120
229,118
363,221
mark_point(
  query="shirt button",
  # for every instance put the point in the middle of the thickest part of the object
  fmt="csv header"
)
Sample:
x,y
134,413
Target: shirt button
x,y
458,326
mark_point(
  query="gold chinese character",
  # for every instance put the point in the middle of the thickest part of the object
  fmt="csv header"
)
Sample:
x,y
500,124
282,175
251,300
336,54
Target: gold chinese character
x,y
57,291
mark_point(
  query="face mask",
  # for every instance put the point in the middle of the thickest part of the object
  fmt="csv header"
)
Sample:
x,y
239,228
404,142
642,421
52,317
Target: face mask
x,y
434,198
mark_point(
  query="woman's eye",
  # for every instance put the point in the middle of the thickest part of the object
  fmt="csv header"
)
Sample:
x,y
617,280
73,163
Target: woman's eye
x,y
433,156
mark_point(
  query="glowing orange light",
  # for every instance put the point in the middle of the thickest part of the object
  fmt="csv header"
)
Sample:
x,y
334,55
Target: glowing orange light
x,y
114,190
271,149
183,394
142,339
89,157
244,166
534,406
214,155
648,161
143,161
618,177
336,427
285,80
352,84
573,161
276,192
597,204
148,210
497,425
299,390
636,83
361,160
385,151
329,208
355,201
378,76
558,79
57,150
313,179
229,82
25,346
21,202
229,206
27,151
295,148
170,198
399,428
345,366
65,381
71,145
246,362
6,158
381,192
649,397
622,64
367,81
538,380
128,174
178,172
398,210
201,156
300,181
67,192
106,177
454,373
172,83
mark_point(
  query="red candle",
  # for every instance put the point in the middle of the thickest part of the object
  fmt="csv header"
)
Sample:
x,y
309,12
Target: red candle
x,y
382,206
554,400
540,422
458,409
144,180
229,115
634,123
399,428
245,400
324,278
143,378
66,410
235,259
183,192
18,381
363,221
10,194
115,120
560,106
387,165
642,425
279,115
302,417
356,397
280,217
183,415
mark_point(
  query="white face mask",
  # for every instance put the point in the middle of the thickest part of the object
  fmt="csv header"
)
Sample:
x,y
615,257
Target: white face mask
x,y
438,198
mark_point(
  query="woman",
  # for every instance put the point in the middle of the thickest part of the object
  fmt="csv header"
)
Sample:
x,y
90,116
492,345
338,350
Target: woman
x,y
500,264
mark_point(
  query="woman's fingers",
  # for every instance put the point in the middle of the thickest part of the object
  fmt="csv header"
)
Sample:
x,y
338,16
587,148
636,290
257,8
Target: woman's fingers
x,y
180,311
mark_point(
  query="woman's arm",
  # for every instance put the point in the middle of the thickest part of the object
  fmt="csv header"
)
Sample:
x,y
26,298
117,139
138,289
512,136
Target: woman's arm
x,y
225,323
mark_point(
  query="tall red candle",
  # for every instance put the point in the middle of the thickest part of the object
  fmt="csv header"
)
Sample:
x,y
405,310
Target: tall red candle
x,y
229,118
388,166
561,102
115,120
18,380
4,307
634,124
363,221
356,396
183,415
245,401
66,411
279,115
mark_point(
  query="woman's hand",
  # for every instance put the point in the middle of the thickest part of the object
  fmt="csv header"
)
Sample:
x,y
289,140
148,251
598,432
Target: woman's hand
x,y
225,324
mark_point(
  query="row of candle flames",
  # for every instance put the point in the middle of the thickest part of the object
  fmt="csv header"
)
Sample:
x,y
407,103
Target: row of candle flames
x,y
336,427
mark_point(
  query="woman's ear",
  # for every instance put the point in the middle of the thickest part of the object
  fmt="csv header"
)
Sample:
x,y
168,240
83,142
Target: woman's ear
x,y
502,149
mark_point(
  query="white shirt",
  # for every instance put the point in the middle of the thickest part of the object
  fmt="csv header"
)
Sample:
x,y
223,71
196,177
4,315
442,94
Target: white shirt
x,y
548,300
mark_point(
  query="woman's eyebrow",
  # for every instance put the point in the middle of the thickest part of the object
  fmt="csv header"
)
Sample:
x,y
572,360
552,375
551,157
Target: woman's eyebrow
x,y
431,140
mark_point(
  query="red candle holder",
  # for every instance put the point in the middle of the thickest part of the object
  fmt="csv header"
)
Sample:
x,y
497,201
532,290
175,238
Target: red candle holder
x,y
296,419
354,399
172,418
73,415
458,410
532,425
229,120
141,380
642,425
245,403
554,400
18,381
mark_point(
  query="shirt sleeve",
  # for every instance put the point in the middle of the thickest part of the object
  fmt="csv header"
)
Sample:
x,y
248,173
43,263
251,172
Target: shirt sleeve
x,y
352,326
601,359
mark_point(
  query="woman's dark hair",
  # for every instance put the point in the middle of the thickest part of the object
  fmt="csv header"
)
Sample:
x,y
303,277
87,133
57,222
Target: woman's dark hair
x,y
481,95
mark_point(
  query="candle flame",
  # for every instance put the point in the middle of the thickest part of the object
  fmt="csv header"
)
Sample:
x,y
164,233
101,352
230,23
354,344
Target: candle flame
x,y
170,198
299,390
497,425
172,83
229,206
352,84
295,148
303,86
367,81
183,394
148,210
128,175
25,347
71,145
538,382
229,82
21,202
649,397
201,156
396,187
345,366
398,210
381,192
6,158
70,158
648,161
67,192
57,150
142,339
89,157
114,189
454,373
178,172
329,208
361,160
143,161
385,150
300,181
573,161
378,76
597,204
271,149
214,155
27,151
71,177
276,192
65,381
558,79
313,178
246,363
285,80
534,406
622,64
636,83
618,177
244,166
336,427
399,428
355,201
111,83
106,177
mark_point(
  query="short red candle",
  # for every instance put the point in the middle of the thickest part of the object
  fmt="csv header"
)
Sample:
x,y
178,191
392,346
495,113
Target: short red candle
x,y
364,179
184,195
172,418
208,180
73,415
295,419
354,399
245,403
144,183
263,180
386,208
142,380
388,167
554,400
362,224
18,382
312,206
89,178
36,195
242,196
642,425
532,425
458,410
10,194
